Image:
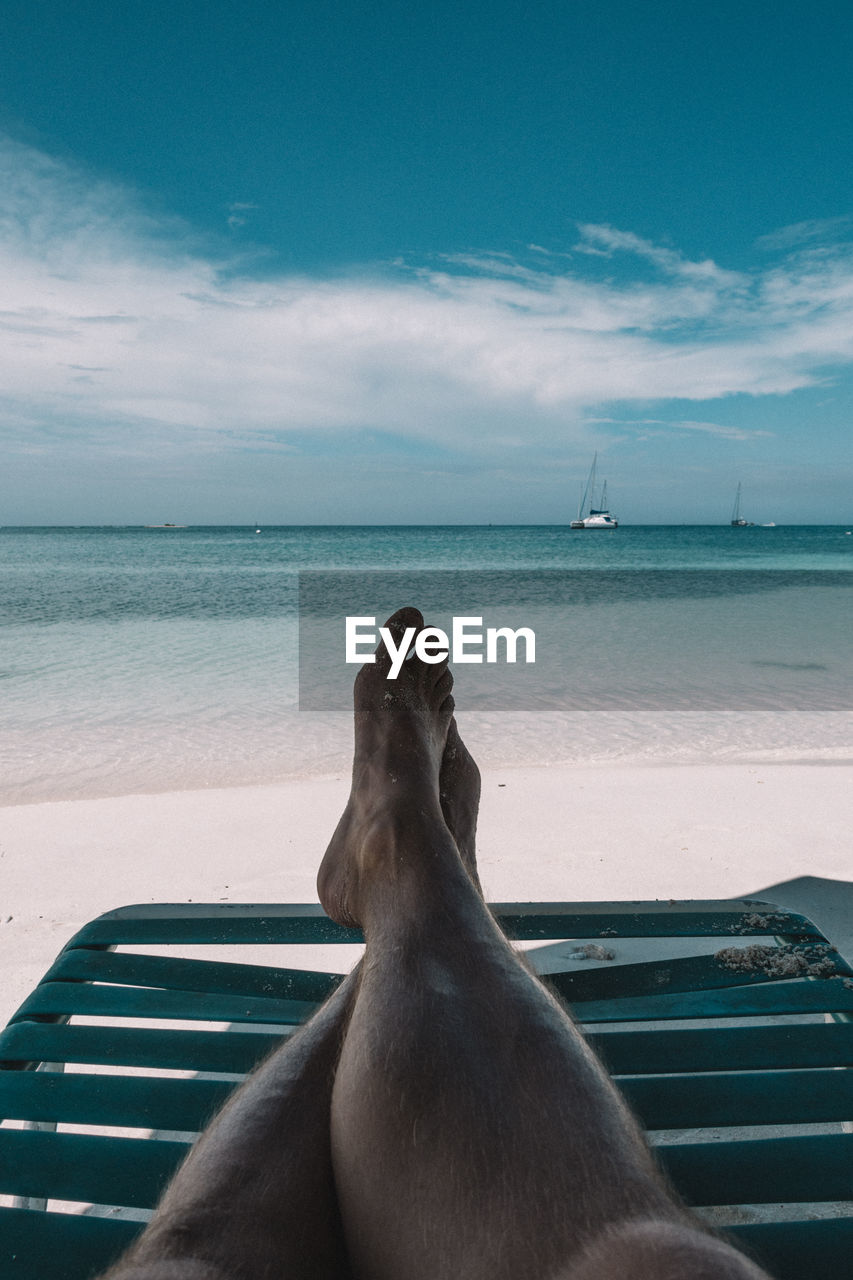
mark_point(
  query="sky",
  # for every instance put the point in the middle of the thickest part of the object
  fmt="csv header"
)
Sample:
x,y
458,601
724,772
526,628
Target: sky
x,y
373,262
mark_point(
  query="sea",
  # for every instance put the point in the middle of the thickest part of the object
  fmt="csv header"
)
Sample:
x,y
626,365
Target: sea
x,y
156,659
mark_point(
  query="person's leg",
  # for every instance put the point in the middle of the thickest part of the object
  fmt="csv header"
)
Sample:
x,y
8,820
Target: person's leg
x,y
255,1198
474,1134
660,1250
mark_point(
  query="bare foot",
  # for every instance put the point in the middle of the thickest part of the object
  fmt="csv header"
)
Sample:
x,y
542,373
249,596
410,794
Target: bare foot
x,y
401,729
459,792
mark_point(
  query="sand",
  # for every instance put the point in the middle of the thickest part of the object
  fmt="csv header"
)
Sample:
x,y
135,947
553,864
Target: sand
x,y
550,833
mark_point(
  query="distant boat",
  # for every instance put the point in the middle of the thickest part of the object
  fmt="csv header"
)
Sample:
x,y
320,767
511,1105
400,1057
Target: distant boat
x,y
597,517
738,521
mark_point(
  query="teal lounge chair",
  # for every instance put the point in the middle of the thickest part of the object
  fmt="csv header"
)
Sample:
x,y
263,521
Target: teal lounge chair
x,y
739,1064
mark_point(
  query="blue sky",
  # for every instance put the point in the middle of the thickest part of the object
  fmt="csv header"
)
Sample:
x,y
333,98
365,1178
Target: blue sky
x,y
369,262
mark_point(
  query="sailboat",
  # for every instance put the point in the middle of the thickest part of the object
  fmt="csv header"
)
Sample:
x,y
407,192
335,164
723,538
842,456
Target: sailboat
x,y
597,517
738,521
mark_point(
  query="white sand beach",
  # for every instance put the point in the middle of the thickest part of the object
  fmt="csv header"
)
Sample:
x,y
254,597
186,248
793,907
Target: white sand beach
x,y
564,832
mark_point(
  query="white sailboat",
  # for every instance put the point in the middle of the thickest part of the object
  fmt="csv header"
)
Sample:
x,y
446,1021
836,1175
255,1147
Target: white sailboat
x,y
738,521
598,517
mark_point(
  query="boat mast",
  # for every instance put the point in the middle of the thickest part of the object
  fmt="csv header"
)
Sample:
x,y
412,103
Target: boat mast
x,y
589,489
736,511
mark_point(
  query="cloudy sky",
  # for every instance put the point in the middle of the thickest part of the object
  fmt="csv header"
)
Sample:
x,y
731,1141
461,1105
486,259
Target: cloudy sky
x,y
321,261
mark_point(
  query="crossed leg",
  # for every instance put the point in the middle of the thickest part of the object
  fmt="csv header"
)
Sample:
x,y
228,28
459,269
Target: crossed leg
x,y
441,1115
474,1134
255,1199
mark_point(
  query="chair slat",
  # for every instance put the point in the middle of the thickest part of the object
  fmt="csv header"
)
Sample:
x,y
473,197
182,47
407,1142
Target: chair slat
x,y
807,995
171,1049
529,921
661,1102
736,1048
762,1171
685,973
133,1102
62,1246
800,1250
659,977
164,923
740,1098
72,1166
63,998
190,923
177,973
132,1171
625,1052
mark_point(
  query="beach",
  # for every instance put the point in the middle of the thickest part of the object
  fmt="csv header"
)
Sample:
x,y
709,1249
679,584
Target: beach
x,y
564,832
174,723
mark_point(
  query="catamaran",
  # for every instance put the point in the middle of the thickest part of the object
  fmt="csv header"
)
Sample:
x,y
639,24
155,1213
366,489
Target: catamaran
x,y
597,517
738,521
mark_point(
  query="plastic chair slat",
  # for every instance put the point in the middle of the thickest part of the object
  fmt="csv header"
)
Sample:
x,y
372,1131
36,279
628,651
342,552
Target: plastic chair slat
x,y
63,998
720,1048
600,920
133,1102
800,1250
625,1052
807,995
177,973
762,1171
741,1098
172,1049
166,923
661,1102
191,923
73,1166
684,974
62,1246
659,977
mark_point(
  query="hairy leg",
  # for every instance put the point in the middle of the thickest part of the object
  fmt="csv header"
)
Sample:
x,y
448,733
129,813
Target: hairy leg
x,y
657,1250
474,1134
255,1198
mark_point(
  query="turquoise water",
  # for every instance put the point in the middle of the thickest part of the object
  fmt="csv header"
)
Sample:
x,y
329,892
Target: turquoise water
x,y
155,659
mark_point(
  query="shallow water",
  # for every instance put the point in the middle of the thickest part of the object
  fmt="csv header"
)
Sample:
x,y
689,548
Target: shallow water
x,y
155,659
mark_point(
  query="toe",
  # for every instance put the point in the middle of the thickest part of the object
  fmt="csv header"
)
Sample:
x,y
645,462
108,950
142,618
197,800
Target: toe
x,y
443,686
404,619
408,616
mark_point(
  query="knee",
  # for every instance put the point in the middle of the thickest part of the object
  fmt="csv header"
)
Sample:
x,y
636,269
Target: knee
x,y
658,1250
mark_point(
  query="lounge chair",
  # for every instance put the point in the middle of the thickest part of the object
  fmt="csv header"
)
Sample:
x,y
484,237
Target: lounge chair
x,y
737,1061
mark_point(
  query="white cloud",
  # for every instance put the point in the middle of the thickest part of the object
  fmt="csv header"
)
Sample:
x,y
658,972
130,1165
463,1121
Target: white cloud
x,y
120,327
603,241
722,430
799,233
238,213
